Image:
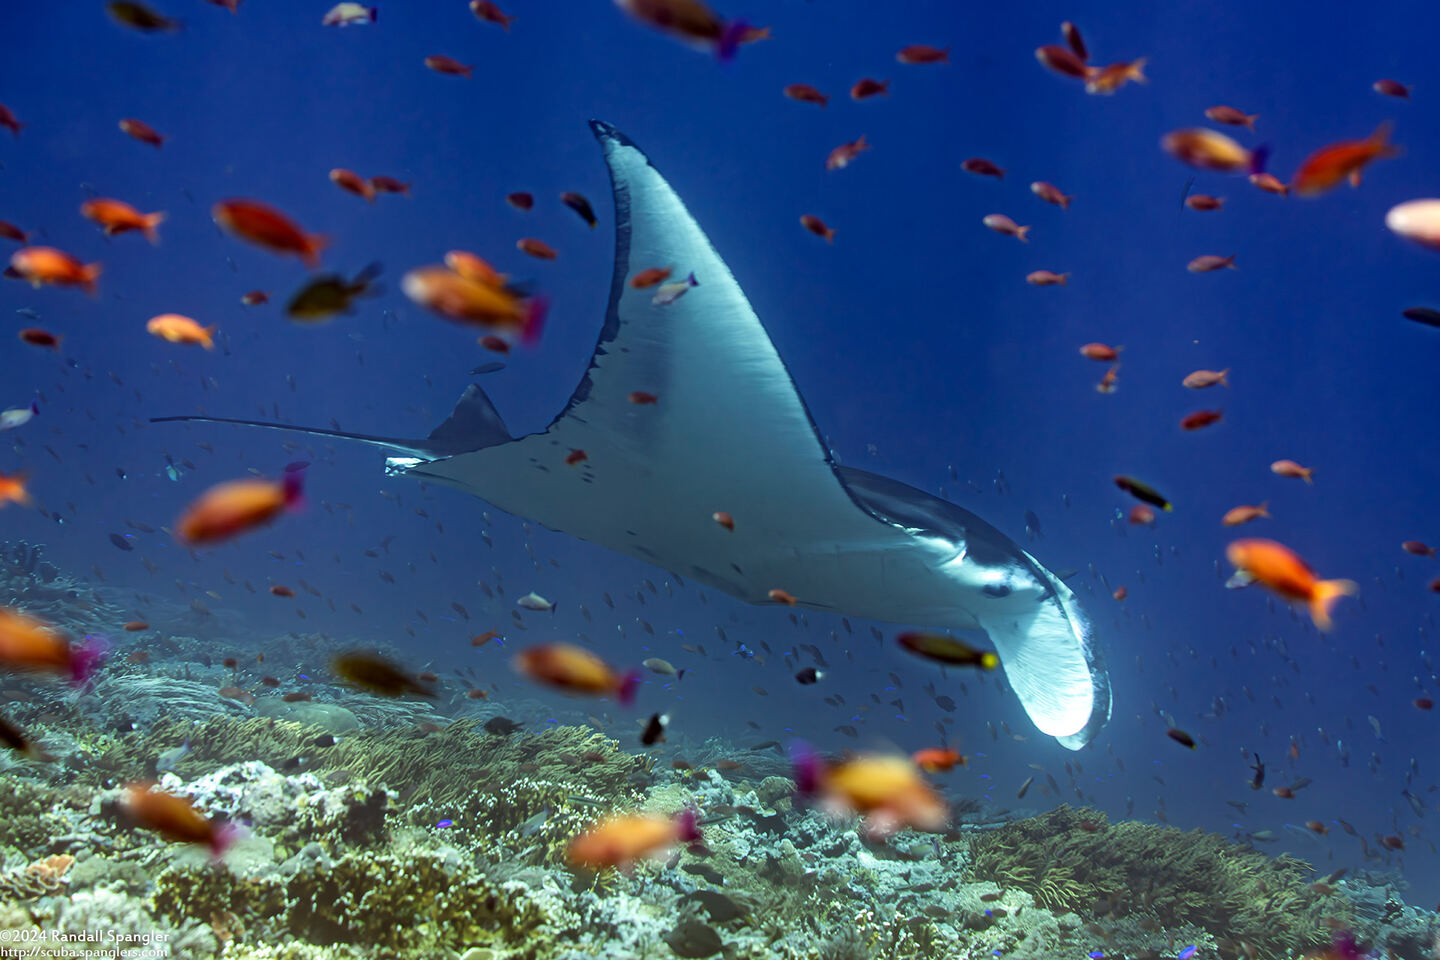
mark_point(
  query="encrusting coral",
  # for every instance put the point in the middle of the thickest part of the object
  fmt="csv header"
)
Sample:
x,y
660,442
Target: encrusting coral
x,y
1077,860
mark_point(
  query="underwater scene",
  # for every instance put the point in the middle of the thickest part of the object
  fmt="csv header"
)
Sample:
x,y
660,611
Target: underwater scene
x,y
801,479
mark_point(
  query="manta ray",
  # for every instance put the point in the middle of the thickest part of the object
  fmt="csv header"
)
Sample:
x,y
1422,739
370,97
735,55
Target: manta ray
x,y
729,433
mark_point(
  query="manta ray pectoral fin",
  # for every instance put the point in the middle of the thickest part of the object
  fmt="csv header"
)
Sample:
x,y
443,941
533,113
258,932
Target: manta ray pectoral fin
x,y
1055,667
473,425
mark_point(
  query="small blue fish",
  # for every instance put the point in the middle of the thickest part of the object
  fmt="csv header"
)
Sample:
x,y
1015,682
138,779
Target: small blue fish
x,y
445,824
172,473
1188,952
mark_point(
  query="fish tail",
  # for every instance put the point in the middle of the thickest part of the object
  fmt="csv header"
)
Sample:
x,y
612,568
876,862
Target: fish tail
x,y
314,243
1264,509
1065,202
1308,475
730,40
627,687
294,488
1064,279
829,234
808,767
224,838
88,275
1021,233
1250,122
152,221
1136,70
1225,382
1258,158
1323,597
534,321
374,14
86,659
691,280
687,826
209,342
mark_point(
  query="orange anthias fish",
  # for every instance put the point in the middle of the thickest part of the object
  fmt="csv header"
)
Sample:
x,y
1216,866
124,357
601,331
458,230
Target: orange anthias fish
x,y
938,759
1245,513
538,249
449,66
466,295
232,508
488,12
352,182
12,490
804,93
692,22
650,276
117,217
620,840
267,227
1106,80
841,156
1293,470
143,132
1208,150
919,53
1326,167
30,644
887,790
576,670
175,818
175,328
47,266
1277,567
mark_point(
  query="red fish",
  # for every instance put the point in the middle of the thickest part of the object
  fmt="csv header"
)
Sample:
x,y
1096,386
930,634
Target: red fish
x,y
352,182
817,226
1062,61
43,266
228,509
520,200
536,248
982,168
267,227
8,120
841,156
9,231
449,66
1199,419
1327,167
867,88
1277,567
118,217
143,132
919,53
650,276
488,12
694,23
804,93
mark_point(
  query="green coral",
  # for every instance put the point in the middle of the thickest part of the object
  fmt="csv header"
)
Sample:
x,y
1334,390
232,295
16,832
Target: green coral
x,y
1076,860
29,817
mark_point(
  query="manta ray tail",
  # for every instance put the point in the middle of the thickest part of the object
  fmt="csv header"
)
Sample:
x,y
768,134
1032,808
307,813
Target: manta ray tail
x,y
473,425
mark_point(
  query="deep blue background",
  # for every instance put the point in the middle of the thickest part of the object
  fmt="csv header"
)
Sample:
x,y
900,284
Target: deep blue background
x,y
914,333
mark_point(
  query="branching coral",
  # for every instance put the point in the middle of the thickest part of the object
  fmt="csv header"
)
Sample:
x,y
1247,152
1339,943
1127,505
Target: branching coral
x,y
1076,860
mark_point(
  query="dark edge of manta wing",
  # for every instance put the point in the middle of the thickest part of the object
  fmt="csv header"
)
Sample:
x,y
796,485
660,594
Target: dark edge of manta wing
x,y
621,193
607,133
473,425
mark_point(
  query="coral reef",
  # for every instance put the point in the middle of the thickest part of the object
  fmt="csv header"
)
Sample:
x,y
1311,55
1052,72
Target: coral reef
x,y
1077,860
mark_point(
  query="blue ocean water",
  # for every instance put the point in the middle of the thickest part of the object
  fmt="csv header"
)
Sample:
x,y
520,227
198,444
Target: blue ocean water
x,y
914,339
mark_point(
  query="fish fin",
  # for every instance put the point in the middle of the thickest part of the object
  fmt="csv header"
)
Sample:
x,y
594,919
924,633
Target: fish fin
x,y
1136,70
152,221
314,243
1258,158
627,687
730,40
687,826
473,425
1323,597
86,659
88,275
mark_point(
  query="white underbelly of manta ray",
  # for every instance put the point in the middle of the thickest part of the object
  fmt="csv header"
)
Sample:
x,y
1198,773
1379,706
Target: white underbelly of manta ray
x,y
730,432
